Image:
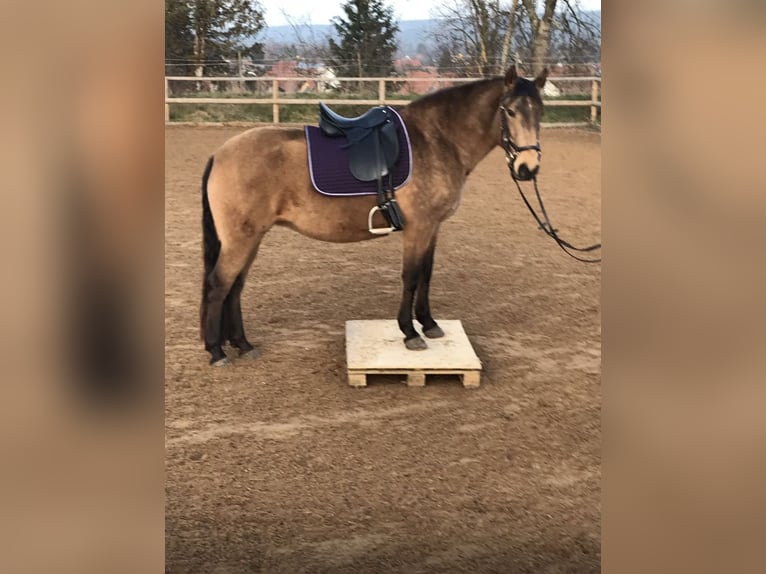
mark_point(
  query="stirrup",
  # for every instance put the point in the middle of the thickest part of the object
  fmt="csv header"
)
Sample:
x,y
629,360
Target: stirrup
x,y
377,230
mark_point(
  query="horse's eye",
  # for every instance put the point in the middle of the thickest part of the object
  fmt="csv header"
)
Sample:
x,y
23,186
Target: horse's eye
x,y
510,112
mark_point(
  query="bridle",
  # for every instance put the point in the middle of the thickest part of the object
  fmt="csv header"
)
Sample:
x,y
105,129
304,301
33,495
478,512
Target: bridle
x,y
512,151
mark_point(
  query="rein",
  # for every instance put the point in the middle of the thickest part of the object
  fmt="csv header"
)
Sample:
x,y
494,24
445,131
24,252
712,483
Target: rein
x,y
511,152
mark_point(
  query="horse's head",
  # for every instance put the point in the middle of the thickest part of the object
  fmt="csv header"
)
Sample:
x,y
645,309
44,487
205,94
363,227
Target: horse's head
x,y
521,107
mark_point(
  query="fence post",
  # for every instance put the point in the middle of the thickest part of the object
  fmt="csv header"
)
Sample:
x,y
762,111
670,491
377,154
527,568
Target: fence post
x,y
167,105
275,97
594,101
382,92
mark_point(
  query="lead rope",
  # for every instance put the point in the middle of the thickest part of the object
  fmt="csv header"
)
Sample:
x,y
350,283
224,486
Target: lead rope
x,y
546,226
549,230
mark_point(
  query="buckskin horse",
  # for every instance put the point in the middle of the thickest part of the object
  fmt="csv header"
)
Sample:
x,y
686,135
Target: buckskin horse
x,y
262,178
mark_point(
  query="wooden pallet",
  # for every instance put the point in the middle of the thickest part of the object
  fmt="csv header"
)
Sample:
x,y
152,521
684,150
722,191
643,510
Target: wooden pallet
x,y
470,379
376,348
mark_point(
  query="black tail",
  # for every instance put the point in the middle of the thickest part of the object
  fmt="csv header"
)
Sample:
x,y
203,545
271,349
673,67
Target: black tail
x,y
210,244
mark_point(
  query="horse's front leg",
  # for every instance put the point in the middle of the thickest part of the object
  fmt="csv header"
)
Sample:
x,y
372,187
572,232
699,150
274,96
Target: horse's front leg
x,y
422,305
417,243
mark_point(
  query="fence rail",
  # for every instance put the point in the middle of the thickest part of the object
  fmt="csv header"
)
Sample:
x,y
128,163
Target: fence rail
x,y
276,101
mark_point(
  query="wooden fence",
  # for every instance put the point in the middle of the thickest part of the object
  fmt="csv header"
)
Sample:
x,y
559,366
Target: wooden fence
x,y
276,101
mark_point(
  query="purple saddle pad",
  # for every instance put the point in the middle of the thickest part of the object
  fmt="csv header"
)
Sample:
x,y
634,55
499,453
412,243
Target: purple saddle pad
x,y
328,163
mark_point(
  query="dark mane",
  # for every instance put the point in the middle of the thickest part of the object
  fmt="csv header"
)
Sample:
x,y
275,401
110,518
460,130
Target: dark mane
x,y
524,87
451,97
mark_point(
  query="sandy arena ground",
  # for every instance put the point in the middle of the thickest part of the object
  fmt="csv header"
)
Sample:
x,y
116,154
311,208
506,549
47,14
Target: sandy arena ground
x,y
277,465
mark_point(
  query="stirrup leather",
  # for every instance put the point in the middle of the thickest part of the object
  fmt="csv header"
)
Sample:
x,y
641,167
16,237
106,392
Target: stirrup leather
x,y
388,206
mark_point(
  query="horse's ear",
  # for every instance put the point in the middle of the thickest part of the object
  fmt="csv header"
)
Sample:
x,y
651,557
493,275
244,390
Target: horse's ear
x,y
511,75
540,79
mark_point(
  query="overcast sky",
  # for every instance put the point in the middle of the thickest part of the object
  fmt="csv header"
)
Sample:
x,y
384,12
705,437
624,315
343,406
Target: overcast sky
x,y
320,11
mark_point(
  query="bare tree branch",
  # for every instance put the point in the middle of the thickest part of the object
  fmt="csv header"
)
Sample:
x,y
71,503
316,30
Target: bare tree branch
x,y
531,9
309,45
485,35
508,35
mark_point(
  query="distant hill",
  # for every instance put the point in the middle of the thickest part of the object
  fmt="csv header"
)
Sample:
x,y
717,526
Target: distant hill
x,y
412,33
287,35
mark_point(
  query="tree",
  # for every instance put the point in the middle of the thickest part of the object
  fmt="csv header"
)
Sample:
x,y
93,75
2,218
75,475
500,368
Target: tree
x,y
541,31
477,32
367,35
205,31
451,61
563,31
577,38
489,34
179,39
311,45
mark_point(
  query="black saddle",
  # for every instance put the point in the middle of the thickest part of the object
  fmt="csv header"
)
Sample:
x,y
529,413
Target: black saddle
x,y
371,138
370,119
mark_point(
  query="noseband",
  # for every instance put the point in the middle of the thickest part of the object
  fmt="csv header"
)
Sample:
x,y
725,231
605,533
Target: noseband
x,y
511,153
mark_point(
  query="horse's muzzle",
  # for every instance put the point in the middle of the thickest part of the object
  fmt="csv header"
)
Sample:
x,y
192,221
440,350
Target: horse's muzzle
x,y
525,174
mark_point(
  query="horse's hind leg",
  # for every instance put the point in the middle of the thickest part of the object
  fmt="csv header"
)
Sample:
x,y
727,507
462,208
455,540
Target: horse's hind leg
x,y
233,327
231,262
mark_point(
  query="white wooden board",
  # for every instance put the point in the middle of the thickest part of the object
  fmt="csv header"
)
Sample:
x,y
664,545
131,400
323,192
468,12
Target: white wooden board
x,y
377,347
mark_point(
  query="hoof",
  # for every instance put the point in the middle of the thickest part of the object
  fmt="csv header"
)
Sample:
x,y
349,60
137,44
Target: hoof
x,y
250,355
434,332
415,344
221,362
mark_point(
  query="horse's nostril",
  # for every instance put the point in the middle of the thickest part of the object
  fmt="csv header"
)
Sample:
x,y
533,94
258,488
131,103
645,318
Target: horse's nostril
x,y
523,171
534,171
